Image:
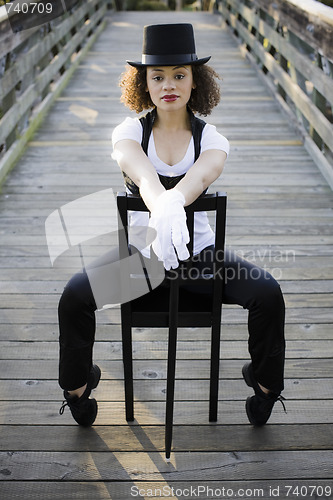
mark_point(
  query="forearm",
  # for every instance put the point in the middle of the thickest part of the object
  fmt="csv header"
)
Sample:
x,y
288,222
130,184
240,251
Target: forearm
x,y
191,186
201,175
150,189
134,162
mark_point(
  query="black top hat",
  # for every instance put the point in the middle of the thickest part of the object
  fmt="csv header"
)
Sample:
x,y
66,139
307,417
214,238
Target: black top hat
x,y
168,44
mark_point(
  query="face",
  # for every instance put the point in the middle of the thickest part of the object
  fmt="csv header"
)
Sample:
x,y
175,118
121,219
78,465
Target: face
x,y
170,87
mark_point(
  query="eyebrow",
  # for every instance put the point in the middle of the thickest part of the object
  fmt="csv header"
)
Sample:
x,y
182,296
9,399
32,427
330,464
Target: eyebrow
x,y
176,67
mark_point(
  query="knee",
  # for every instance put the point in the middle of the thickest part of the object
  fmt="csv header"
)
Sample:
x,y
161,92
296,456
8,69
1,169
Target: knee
x,y
269,295
76,295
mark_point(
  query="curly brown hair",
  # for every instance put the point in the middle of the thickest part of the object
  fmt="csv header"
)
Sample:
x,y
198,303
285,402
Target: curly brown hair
x,y
204,97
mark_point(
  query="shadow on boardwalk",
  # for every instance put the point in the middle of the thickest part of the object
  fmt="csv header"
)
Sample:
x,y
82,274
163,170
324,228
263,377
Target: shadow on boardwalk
x,y
280,214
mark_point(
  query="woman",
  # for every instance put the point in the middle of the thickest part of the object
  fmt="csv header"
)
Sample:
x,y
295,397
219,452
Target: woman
x,y
170,157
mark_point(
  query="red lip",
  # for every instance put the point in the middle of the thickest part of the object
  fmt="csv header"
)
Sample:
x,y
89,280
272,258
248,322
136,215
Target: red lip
x,y
170,98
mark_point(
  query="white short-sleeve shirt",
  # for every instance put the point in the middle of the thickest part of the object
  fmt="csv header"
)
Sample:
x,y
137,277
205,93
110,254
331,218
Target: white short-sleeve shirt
x,y
131,128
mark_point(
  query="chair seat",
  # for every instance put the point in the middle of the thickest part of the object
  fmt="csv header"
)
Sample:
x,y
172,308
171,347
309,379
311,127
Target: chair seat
x,y
158,301
161,320
195,309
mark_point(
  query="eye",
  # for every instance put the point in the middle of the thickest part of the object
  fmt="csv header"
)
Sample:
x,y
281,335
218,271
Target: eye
x,y
157,78
180,77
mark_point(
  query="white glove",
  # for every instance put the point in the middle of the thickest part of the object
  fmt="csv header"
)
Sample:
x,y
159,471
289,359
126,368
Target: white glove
x,y
168,218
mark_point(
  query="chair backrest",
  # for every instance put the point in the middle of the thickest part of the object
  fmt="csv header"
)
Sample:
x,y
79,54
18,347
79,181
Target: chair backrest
x,y
211,203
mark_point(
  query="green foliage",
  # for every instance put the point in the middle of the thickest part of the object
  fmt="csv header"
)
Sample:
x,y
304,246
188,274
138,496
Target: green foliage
x,y
145,5
3,2
152,5
327,2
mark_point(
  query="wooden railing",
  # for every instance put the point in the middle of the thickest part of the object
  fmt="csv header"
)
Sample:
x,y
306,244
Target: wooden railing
x,y
35,66
291,42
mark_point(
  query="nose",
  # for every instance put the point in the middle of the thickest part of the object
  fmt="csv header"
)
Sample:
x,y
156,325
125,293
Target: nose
x,y
169,83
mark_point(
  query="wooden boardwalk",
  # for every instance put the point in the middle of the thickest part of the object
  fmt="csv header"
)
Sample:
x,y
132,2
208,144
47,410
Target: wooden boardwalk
x,y
279,213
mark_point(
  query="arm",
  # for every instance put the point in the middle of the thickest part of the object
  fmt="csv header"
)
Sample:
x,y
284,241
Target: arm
x,y
202,174
134,162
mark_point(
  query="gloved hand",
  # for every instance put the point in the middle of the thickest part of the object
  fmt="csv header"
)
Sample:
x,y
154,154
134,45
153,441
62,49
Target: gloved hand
x,y
168,218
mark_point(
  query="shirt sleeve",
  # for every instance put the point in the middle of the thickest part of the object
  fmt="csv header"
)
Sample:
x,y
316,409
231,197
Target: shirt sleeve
x,y
212,139
130,128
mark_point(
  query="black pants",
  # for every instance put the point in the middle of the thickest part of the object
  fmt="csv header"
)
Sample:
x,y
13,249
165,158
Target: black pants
x,y
244,284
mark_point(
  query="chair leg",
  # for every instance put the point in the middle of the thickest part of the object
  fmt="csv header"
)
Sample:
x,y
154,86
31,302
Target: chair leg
x,y
171,372
214,371
128,371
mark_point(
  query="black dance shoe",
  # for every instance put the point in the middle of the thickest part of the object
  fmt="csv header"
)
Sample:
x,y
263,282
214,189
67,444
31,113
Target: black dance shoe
x,y
83,409
259,407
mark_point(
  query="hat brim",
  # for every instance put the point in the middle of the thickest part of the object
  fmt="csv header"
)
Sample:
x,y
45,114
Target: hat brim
x,y
160,62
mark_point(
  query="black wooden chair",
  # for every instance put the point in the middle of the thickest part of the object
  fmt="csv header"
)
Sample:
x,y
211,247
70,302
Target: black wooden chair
x,y
171,305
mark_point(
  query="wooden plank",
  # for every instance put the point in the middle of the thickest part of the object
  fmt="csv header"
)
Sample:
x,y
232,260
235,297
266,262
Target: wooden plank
x,y
39,301
232,315
154,369
237,240
185,390
109,332
258,164
235,222
308,349
257,134
51,287
286,256
283,252
128,438
142,466
312,286
153,413
255,178
242,227
154,489
318,208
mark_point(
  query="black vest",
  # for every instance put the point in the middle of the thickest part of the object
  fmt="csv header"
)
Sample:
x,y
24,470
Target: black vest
x,y
147,122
